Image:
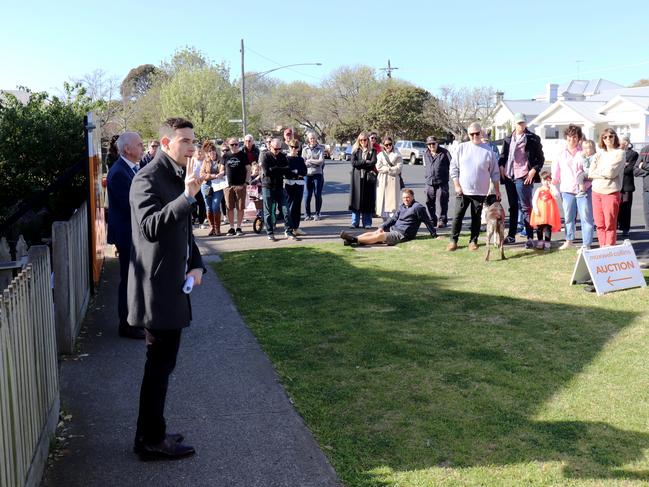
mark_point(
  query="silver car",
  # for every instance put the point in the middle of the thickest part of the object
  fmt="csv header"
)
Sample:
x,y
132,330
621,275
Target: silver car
x,y
412,151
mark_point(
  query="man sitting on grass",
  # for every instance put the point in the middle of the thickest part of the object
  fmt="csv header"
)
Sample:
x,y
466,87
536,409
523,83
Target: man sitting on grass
x,y
403,226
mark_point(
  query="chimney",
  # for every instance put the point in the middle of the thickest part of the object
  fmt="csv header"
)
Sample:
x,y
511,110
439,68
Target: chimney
x,y
498,97
551,92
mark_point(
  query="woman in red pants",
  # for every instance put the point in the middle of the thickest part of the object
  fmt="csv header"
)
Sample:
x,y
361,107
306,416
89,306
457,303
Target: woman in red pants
x,y
606,172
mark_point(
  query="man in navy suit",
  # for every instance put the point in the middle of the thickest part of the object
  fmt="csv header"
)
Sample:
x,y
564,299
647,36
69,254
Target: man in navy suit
x,y
118,183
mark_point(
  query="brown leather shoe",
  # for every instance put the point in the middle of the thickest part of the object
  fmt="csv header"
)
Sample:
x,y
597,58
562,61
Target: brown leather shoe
x,y
167,449
473,246
452,246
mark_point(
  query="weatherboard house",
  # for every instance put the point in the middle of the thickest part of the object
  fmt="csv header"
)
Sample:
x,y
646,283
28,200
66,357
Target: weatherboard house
x,y
593,105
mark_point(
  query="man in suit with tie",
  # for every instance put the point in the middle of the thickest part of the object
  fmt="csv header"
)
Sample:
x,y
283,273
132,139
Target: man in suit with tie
x,y
118,183
164,257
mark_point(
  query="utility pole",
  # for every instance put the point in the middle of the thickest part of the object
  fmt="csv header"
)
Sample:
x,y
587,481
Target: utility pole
x,y
389,70
243,93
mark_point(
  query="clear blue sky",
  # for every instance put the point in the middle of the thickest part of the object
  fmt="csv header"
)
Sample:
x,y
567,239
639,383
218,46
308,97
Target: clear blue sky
x,y
515,47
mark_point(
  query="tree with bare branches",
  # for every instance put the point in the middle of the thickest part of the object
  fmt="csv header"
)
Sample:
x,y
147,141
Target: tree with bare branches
x,y
456,108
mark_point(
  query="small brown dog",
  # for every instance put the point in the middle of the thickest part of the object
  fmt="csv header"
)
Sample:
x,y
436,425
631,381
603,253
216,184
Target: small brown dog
x,y
495,217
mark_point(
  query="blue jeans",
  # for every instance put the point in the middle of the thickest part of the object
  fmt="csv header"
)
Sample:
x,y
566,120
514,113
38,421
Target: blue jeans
x,y
314,184
272,197
525,192
212,199
366,218
583,204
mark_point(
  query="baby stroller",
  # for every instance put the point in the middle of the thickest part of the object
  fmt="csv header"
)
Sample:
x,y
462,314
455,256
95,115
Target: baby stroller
x,y
254,208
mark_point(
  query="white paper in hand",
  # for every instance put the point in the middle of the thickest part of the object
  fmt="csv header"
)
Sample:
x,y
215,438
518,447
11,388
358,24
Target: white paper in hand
x,y
189,285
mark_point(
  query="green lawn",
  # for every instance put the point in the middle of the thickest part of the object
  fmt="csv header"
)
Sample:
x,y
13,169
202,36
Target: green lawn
x,y
418,367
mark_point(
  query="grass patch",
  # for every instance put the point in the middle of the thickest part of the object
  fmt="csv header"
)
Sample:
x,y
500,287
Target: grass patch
x,y
418,367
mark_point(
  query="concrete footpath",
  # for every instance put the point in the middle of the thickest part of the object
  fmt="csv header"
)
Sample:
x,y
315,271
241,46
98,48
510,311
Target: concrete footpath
x,y
224,396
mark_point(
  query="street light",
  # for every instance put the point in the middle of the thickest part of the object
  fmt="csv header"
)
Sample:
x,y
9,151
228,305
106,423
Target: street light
x,y
258,75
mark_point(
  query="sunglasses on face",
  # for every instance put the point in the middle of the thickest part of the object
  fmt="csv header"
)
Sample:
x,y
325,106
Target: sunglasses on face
x,y
234,145
362,140
474,134
387,144
604,137
432,143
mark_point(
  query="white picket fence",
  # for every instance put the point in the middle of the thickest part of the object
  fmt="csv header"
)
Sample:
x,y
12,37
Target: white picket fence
x,y
29,385
71,276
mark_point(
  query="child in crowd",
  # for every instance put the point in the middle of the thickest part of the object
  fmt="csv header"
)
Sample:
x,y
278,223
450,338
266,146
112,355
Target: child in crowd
x,y
255,174
545,217
588,151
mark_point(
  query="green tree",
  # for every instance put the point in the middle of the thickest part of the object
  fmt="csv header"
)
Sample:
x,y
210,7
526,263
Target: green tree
x,y
348,94
205,96
138,81
399,111
41,140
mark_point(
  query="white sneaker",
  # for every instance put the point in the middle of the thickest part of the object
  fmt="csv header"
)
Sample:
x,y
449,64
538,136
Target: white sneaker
x,y
299,232
566,245
316,218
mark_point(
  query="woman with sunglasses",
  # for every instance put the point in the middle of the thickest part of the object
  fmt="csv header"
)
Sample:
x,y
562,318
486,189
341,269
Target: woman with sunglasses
x,y
606,172
211,170
388,188
294,184
363,183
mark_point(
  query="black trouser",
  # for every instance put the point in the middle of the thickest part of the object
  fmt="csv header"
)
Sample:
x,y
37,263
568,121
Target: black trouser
x,y
624,217
161,351
198,210
122,305
544,232
294,194
431,202
512,199
462,202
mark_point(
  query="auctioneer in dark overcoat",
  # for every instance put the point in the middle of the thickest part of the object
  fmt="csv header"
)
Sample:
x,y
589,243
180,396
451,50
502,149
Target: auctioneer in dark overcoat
x,y
163,247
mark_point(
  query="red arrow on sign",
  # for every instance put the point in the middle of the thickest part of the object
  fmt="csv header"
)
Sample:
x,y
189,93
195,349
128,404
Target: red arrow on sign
x,y
611,281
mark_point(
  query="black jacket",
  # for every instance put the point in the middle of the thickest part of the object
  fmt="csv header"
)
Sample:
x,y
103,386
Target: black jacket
x,y
437,166
273,170
533,152
628,185
644,171
163,248
255,153
362,196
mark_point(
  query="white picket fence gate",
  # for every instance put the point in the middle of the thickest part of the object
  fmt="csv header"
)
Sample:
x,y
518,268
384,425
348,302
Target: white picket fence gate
x,y
29,384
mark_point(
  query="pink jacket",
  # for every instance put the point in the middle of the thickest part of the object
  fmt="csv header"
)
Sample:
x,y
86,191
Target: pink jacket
x,y
567,169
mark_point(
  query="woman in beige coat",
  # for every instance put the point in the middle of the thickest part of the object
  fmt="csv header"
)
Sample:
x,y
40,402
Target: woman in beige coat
x,y
388,190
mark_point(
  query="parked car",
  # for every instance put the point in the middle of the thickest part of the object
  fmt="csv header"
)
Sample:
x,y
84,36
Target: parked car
x,y
327,151
338,153
412,151
348,153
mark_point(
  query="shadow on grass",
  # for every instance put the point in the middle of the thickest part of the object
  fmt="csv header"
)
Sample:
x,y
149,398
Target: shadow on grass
x,y
393,368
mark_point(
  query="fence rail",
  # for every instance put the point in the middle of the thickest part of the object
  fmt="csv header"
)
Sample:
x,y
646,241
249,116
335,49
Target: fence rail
x,y
29,387
71,276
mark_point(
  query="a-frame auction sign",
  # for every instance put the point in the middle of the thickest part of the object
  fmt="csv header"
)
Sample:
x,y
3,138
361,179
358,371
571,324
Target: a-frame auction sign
x,y
610,268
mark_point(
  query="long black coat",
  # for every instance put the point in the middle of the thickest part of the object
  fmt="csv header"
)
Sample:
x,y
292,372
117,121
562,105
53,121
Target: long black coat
x,y
163,248
362,196
628,183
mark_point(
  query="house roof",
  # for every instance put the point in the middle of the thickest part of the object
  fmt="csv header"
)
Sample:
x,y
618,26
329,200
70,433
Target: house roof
x,y
530,108
588,110
642,102
585,88
607,95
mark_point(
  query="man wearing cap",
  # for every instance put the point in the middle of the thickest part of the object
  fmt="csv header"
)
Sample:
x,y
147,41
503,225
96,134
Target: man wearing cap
x,y
288,137
437,161
473,167
520,164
